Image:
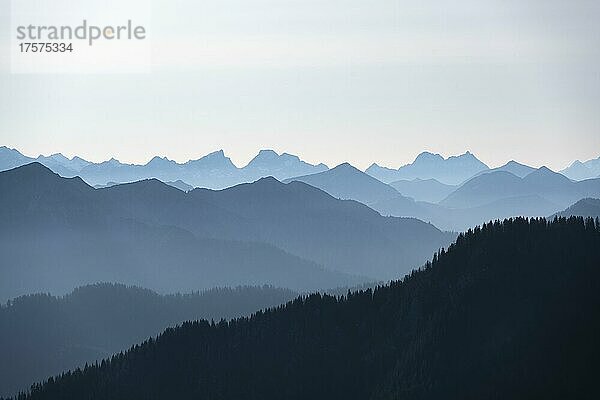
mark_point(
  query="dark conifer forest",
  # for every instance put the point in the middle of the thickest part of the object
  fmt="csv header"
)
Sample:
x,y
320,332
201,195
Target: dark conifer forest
x,y
510,311
42,335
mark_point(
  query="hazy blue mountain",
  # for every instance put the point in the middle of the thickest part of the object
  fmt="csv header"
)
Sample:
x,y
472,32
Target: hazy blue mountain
x,y
214,171
484,189
583,170
429,190
510,311
490,196
62,165
551,186
58,233
587,207
461,219
109,171
451,171
495,195
348,182
269,163
11,158
43,335
179,184
515,168
338,234
300,219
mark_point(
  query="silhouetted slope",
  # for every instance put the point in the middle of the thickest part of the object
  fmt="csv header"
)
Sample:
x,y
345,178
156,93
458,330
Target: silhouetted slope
x,y
57,233
551,186
485,189
60,233
513,167
349,183
428,190
495,194
461,219
341,235
509,311
583,208
42,335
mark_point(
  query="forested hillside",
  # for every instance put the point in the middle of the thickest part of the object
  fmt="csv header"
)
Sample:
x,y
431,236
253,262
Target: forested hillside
x,y
511,310
42,335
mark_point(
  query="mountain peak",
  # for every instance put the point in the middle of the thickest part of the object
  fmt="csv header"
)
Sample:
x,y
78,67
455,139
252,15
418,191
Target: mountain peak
x,y
543,171
267,153
8,150
33,168
428,156
347,168
216,154
546,175
267,180
215,160
160,160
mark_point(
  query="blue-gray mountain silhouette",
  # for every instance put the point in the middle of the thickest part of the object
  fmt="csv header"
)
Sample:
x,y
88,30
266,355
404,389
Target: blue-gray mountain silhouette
x,y
215,170
269,163
429,190
59,233
495,195
179,184
11,158
588,207
484,204
583,170
452,171
494,186
349,183
515,168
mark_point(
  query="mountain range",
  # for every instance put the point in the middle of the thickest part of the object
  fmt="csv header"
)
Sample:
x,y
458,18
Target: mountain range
x,y
513,167
43,335
451,171
491,194
583,170
214,170
510,311
551,186
58,233
348,183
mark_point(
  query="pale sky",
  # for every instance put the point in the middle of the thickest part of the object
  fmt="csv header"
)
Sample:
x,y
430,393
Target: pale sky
x,y
330,80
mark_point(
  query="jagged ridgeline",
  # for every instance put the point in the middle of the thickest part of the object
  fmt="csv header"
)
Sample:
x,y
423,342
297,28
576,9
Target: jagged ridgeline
x,y
511,310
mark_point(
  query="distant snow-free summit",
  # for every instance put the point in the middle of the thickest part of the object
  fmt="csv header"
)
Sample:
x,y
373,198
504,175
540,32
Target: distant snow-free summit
x,y
451,171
